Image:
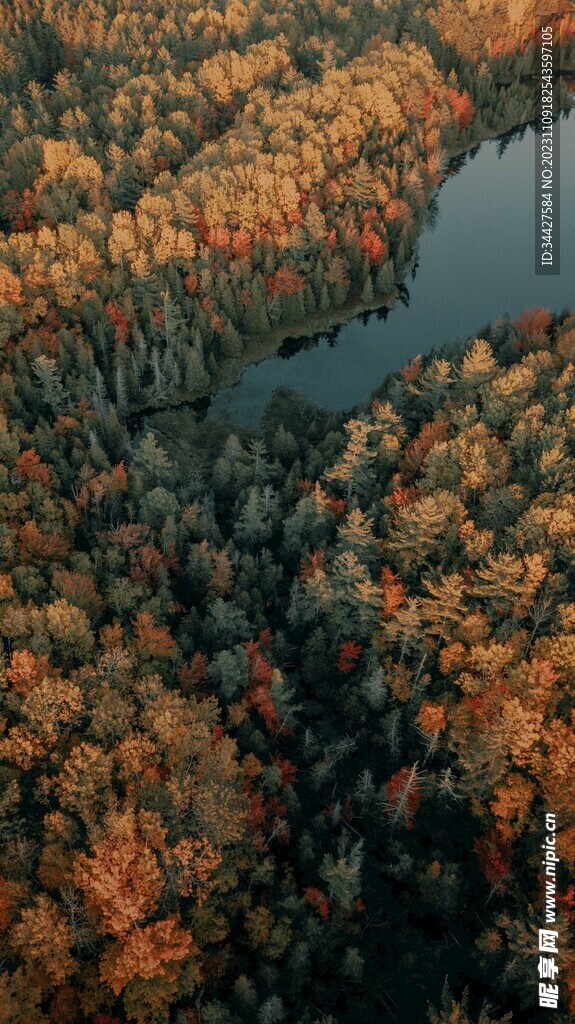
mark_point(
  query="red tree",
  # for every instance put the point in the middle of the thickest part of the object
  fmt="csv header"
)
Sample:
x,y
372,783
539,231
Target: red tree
x,y
349,653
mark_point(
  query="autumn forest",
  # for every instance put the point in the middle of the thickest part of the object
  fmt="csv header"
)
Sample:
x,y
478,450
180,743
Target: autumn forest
x,y
282,712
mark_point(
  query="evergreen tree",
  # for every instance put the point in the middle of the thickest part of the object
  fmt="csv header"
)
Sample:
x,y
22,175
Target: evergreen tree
x,y
49,378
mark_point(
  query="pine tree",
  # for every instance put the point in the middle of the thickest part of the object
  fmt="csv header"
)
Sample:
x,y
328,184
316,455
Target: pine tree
x,y
194,376
231,342
478,366
433,383
367,293
452,1011
258,454
361,187
253,526
501,581
310,302
424,527
338,292
324,299
256,320
356,534
153,462
121,392
446,607
354,469
314,222
385,279
343,876
49,378
271,1011
172,320
403,796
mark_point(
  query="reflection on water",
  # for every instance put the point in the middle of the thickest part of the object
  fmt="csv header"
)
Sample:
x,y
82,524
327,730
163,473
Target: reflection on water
x,y
475,261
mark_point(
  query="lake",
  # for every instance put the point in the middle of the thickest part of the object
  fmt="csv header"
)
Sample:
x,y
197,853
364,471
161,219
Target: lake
x,y
474,265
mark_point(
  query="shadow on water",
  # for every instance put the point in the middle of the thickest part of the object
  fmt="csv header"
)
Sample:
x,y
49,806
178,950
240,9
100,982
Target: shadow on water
x,y
291,346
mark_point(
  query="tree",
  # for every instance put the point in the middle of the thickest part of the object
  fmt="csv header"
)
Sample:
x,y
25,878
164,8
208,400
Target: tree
x,y
478,365
355,534
403,796
433,384
253,526
349,653
152,462
121,880
151,952
452,1011
462,107
421,528
361,185
44,939
69,630
152,641
158,505
446,606
49,379
354,467
372,246
21,998
343,876
271,1011
501,581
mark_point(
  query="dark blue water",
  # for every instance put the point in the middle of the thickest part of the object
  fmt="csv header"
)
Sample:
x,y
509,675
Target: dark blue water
x,y
474,265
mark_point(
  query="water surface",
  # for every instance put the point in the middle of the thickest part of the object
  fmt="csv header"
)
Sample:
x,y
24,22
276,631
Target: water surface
x,y
474,265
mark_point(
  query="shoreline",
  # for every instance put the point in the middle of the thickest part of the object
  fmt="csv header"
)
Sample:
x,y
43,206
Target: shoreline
x,y
259,349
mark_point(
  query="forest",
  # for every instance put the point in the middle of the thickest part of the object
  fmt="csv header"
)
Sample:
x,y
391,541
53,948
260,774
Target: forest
x,y
280,720
180,190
